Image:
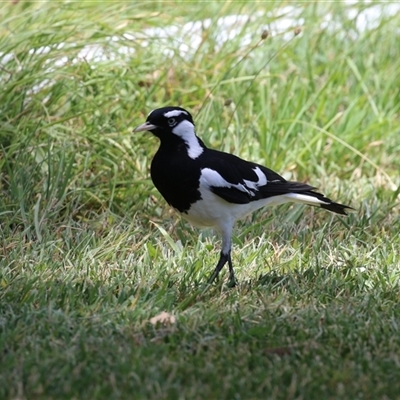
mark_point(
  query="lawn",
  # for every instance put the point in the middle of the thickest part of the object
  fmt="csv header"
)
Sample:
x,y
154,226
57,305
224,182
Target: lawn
x,y
103,289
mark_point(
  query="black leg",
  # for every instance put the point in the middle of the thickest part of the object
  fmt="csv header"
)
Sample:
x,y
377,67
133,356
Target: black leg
x,y
223,259
225,256
232,279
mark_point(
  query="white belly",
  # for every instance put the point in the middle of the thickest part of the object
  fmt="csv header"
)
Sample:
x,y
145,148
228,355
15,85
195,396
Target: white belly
x,y
213,211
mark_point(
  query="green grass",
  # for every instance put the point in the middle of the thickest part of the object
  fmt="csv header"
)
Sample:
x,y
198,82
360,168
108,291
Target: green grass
x,y
90,252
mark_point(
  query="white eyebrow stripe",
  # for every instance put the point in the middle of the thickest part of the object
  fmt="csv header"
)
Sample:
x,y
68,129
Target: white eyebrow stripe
x,y
174,113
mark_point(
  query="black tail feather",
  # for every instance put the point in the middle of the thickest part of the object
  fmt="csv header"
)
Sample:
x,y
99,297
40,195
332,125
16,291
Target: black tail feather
x,y
337,208
331,205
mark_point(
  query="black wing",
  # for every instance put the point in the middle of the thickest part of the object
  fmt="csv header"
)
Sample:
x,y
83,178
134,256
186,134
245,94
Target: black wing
x,y
240,182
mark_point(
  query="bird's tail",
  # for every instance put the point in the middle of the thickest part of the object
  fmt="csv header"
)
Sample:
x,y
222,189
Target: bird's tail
x,y
337,208
306,194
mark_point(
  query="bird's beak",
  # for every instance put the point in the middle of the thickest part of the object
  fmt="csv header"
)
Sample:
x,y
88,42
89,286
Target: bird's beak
x,y
145,127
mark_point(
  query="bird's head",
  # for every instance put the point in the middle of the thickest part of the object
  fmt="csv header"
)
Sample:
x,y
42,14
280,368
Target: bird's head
x,y
172,125
168,120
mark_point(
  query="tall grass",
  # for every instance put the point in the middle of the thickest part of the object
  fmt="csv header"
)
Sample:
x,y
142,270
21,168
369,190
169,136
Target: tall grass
x,y
90,252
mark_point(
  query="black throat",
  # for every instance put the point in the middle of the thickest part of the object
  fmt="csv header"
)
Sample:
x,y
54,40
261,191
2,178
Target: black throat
x,y
175,174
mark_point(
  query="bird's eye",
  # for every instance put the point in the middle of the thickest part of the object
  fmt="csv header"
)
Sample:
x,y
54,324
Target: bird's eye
x,y
171,121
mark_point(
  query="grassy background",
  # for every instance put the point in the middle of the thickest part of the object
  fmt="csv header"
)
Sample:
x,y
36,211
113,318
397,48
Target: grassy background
x,y
90,252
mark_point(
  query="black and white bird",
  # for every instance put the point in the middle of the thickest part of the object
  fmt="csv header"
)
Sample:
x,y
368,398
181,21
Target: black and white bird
x,y
211,188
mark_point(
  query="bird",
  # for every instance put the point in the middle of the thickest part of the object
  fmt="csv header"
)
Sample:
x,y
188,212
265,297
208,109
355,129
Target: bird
x,y
214,189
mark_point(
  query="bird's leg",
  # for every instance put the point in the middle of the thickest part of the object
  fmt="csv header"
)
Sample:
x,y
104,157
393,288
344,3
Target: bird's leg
x,y
225,256
232,279
223,259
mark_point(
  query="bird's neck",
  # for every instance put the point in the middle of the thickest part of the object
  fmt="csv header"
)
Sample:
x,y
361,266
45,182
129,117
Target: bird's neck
x,y
195,146
192,145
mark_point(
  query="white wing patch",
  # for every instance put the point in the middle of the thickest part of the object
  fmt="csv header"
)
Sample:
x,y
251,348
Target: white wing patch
x,y
209,177
262,180
212,178
174,113
185,130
